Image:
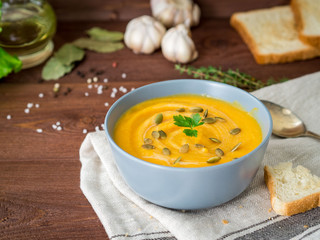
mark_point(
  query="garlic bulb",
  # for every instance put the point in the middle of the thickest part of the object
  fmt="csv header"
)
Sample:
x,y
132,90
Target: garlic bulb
x,y
144,34
177,45
174,12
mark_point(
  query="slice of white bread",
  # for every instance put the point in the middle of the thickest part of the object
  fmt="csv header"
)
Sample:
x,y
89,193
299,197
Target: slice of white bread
x,y
307,16
272,36
292,190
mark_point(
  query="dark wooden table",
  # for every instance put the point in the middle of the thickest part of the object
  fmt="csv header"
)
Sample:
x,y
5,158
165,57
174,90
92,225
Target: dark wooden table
x,y
40,197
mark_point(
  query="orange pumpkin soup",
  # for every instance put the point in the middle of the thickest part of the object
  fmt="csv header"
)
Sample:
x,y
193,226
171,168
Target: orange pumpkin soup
x,y
150,131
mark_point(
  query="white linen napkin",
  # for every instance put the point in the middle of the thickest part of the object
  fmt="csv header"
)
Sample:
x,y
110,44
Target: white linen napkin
x,y
125,215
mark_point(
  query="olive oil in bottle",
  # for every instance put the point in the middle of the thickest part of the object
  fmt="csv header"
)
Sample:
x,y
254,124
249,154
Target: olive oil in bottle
x,y
27,27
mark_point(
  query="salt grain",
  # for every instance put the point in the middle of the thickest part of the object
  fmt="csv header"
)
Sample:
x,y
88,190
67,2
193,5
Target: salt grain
x,y
100,89
106,104
132,89
124,75
29,105
97,128
58,123
86,94
96,85
37,105
113,95
27,110
89,80
59,128
41,95
95,79
114,90
84,131
39,130
105,80
54,126
8,117
102,126
123,89
90,86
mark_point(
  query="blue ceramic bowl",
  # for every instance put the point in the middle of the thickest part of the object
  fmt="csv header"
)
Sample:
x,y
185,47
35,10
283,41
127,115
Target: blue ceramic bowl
x,y
188,188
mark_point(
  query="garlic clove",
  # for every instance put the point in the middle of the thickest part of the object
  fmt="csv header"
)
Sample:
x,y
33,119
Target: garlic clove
x,y
174,12
196,12
144,34
184,51
134,39
177,45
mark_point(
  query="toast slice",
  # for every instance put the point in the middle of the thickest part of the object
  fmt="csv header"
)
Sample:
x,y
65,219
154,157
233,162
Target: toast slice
x,y
307,16
292,190
272,36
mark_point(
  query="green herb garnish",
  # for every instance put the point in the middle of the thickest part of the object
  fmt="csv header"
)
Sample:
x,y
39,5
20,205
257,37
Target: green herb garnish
x,y
8,63
189,122
100,34
63,61
231,77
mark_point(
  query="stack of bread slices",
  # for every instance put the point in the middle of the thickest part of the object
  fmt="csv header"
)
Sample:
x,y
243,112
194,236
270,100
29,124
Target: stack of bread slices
x,y
281,34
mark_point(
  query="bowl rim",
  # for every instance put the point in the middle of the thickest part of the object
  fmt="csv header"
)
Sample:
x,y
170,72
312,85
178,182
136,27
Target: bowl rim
x,y
182,169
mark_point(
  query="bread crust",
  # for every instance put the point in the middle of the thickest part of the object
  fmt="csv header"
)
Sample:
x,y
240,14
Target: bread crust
x,y
289,208
271,58
313,40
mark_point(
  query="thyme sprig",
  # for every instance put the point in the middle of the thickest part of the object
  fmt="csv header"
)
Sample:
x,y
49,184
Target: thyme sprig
x,y
232,77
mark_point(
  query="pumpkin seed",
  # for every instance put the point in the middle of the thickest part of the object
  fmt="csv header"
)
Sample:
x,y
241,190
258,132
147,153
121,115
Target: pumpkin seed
x,y
147,141
197,145
166,151
155,134
158,119
196,109
184,148
177,160
235,147
148,146
215,140
214,159
209,120
162,134
205,114
180,110
219,152
220,119
235,131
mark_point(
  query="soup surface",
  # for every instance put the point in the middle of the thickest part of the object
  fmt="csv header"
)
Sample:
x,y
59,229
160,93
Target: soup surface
x,y
227,132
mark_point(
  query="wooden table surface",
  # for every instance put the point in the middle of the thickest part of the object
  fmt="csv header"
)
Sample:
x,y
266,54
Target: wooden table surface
x,y
40,197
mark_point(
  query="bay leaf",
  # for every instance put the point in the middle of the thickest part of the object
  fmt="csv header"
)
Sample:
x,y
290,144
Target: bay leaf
x,y
101,34
69,54
98,46
55,69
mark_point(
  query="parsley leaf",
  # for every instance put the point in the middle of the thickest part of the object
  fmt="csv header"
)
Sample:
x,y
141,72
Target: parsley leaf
x,y
191,132
189,122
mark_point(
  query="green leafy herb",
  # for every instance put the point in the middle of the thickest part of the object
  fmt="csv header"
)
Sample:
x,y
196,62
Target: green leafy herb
x,y
100,34
232,77
62,62
8,63
55,69
68,54
98,46
189,122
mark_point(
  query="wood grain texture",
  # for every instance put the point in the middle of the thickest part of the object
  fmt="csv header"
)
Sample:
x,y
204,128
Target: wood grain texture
x,y
40,197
